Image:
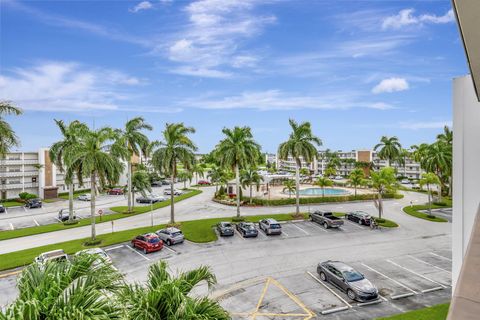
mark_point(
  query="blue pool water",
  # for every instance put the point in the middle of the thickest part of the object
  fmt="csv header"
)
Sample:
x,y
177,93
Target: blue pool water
x,y
318,192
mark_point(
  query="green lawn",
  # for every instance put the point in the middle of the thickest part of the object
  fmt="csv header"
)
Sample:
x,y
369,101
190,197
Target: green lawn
x,y
10,234
437,312
415,212
196,231
11,203
64,195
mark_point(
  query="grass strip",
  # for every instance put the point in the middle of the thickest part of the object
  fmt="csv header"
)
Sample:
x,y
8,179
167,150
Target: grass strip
x,y
437,312
199,231
415,211
120,213
11,203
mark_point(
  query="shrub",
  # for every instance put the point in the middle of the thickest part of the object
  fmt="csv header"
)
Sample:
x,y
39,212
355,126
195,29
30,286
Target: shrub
x,y
91,243
27,196
441,204
309,200
238,219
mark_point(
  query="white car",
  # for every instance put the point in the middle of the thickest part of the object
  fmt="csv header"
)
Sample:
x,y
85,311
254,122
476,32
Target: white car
x,y
338,178
84,197
168,192
405,181
98,252
55,255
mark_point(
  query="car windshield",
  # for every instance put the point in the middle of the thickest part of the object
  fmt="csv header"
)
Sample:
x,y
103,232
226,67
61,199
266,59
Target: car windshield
x,y
352,275
153,240
176,234
227,225
275,226
249,226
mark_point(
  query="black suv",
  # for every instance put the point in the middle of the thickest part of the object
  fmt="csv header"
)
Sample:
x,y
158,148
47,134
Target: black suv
x,y
2,209
33,203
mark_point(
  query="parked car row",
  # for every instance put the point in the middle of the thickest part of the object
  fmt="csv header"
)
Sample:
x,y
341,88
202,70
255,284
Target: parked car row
x,y
150,198
60,255
248,229
151,242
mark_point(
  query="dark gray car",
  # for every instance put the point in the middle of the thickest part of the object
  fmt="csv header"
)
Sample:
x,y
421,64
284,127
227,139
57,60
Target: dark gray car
x,y
225,229
347,279
171,235
247,229
2,208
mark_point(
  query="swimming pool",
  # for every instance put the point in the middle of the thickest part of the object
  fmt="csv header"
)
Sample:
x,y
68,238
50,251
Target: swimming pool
x,y
318,192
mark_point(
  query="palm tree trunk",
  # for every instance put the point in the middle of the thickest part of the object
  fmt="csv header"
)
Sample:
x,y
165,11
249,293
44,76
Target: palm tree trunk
x,y
450,184
172,209
439,189
297,185
92,204
237,182
429,200
251,194
323,192
70,202
129,186
355,191
380,205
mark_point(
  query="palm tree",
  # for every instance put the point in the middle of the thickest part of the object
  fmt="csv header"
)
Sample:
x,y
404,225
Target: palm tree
x,y
140,183
177,148
330,171
323,182
289,186
438,159
403,155
8,138
356,178
429,179
215,176
168,297
185,176
250,177
198,170
237,150
71,134
97,156
79,289
383,181
389,149
446,136
132,138
300,145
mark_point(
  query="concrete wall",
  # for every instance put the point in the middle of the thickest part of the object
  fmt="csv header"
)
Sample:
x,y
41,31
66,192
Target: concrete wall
x,y
466,168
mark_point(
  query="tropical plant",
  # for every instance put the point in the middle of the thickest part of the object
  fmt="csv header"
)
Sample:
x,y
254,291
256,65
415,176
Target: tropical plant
x,y
330,171
389,149
237,150
356,178
97,156
323,182
215,176
8,138
136,142
71,135
429,179
403,155
198,170
185,176
301,144
79,289
167,297
304,172
250,177
383,181
446,137
289,186
140,183
177,148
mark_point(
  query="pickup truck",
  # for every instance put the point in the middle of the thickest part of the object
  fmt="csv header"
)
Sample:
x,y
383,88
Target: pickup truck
x,y
326,218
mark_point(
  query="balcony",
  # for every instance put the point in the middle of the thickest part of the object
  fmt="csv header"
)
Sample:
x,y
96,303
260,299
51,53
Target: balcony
x,y
7,174
18,162
15,186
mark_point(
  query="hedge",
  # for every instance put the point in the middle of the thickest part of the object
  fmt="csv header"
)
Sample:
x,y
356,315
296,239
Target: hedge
x,y
415,211
310,200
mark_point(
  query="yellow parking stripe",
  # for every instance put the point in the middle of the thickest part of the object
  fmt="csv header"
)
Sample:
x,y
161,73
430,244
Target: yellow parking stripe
x,y
10,274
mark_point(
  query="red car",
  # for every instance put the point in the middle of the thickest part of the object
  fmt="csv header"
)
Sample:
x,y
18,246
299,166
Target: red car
x,y
148,242
115,192
203,182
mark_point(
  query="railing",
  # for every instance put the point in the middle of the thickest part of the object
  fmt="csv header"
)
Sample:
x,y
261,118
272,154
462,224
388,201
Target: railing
x,y
18,173
13,186
18,162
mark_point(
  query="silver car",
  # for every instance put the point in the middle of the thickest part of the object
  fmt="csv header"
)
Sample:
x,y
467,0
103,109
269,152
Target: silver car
x,y
347,279
270,226
171,235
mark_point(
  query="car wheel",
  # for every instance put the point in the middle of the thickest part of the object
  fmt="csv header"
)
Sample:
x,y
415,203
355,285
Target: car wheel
x,y
323,277
360,222
145,250
169,243
325,225
351,295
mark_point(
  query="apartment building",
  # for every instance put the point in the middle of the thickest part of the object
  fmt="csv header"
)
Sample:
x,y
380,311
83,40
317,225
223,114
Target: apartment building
x,y
32,172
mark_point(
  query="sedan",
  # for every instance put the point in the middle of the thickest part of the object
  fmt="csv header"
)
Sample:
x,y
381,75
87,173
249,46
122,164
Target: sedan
x,y
347,279
148,242
98,252
225,229
171,235
150,198
85,197
33,203
168,192
247,229
359,217
115,192
204,182
2,209
64,214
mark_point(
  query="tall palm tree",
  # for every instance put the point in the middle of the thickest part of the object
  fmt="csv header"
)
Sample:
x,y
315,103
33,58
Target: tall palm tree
x,y
446,136
429,179
383,181
403,155
237,150
136,142
71,135
97,156
177,148
185,176
389,149
168,297
249,178
438,159
356,178
140,184
198,170
8,138
215,176
301,144
79,289
289,186
323,182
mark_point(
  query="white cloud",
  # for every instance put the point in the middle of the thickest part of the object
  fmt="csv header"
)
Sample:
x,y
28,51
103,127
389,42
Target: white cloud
x,y
406,17
391,85
278,100
59,86
211,40
144,5
425,125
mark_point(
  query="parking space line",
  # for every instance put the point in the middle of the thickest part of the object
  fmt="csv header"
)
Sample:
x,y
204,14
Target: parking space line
x,y
239,234
170,249
323,284
387,277
114,248
286,234
36,222
25,208
437,255
293,224
319,227
429,264
141,255
11,226
354,224
416,273
10,274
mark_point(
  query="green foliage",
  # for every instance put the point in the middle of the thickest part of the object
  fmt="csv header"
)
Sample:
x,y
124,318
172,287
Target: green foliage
x,y
8,138
289,186
27,196
323,182
415,211
330,171
437,312
389,149
311,200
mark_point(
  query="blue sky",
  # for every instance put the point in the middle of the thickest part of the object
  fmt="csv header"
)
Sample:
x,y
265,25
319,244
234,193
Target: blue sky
x,y
356,70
